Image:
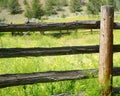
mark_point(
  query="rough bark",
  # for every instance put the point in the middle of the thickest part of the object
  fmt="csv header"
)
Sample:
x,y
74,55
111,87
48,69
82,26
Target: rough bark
x,y
44,77
22,52
90,24
106,50
54,51
8,80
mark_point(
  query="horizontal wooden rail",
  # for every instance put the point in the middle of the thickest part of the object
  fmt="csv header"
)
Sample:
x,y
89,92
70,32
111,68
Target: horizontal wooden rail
x,y
43,77
116,90
116,25
32,26
90,24
8,80
23,52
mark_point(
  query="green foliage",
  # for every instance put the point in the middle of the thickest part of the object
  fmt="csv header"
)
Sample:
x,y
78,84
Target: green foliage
x,y
3,3
117,4
64,2
28,12
75,5
25,2
60,4
14,7
42,64
35,10
93,6
50,7
114,3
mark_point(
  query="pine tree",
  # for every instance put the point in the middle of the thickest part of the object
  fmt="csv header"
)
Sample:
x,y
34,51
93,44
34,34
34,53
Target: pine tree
x,y
35,10
114,3
14,7
50,7
28,12
75,5
93,6
25,2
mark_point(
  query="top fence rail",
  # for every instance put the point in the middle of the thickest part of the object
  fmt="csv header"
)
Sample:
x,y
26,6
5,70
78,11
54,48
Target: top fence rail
x,y
45,26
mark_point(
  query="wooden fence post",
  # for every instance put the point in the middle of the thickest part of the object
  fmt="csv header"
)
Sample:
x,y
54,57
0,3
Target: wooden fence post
x,y
106,50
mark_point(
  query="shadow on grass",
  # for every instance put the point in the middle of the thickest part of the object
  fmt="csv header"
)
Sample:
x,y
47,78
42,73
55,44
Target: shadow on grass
x,y
58,35
75,32
2,33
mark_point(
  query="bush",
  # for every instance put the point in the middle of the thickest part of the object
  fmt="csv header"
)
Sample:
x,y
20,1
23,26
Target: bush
x,y
14,7
93,7
50,7
28,12
75,5
25,2
3,3
35,10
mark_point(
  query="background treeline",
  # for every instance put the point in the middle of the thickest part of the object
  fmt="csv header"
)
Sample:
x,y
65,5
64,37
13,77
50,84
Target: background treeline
x,y
13,6
36,9
93,6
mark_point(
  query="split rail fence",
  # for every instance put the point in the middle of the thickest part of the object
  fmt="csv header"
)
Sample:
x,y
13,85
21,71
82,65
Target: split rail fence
x,y
105,49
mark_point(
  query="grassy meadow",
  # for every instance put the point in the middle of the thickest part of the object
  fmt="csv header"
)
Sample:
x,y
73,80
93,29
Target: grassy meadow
x,y
87,87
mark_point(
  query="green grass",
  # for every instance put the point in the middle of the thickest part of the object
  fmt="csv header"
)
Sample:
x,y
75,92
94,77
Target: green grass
x,y
74,18
51,63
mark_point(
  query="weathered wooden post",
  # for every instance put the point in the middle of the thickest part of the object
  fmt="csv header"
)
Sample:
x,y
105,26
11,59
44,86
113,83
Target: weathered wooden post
x,y
106,47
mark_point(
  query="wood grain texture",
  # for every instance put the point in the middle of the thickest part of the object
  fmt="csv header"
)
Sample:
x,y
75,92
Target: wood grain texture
x,y
54,51
106,50
7,80
32,26
23,52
